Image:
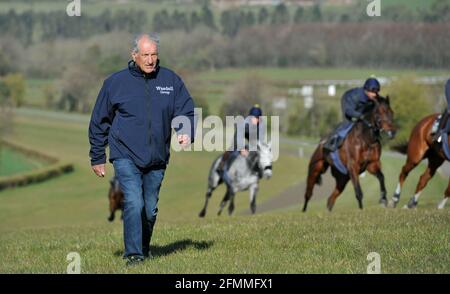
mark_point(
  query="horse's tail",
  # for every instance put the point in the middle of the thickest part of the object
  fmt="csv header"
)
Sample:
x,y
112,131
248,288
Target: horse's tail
x,y
400,147
315,158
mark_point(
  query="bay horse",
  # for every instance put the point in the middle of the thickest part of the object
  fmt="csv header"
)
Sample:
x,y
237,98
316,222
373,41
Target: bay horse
x,y
360,151
420,147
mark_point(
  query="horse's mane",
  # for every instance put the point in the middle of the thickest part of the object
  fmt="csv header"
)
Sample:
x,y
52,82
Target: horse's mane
x,y
252,160
365,122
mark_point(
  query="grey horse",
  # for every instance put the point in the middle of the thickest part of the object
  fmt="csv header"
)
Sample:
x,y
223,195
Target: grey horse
x,y
244,173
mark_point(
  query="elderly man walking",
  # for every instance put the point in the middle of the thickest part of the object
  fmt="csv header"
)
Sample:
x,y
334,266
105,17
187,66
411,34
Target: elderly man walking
x,y
133,115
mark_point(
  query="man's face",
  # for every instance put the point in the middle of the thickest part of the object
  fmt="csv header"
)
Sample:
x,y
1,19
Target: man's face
x,y
255,120
371,95
147,56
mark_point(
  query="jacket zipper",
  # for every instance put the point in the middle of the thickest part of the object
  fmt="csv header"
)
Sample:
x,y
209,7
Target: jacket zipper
x,y
149,115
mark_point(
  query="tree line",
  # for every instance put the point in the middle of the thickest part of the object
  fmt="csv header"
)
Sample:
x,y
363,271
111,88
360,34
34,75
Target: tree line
x,y
31,26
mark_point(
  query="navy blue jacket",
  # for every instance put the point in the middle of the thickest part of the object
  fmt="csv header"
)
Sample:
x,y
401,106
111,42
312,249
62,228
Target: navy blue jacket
x,y
355,103
133,115
260,130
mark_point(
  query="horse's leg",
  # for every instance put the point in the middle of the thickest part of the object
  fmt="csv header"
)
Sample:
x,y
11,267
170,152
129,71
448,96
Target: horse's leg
x,y
213,182
434,162
112,205
354,176
411,162
231,206
111,216
446,196
341,182
226,197
253,190
208,196
375,169
314,177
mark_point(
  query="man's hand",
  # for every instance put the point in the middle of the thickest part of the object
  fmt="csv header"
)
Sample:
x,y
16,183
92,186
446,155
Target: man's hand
x,y
99,170
184,140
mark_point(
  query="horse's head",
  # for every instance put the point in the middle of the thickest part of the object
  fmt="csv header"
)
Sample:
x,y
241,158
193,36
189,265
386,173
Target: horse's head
x,y
265,159
382,117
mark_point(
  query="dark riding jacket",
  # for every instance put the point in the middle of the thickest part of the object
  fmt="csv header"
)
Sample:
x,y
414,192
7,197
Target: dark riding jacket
x,y
247,135
133,115
355,103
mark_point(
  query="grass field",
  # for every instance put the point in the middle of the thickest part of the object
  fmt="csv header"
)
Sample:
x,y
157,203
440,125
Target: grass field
x,y
12,162
42,223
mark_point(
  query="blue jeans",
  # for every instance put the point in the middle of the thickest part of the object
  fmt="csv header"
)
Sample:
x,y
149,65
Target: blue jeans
x,y
140,188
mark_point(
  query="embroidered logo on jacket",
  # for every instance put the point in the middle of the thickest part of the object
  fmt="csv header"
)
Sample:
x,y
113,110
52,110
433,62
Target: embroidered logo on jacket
x,y
164,90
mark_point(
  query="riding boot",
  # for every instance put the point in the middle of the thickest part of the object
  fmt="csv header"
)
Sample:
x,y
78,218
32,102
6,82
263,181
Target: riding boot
x,y
442,125
225,157
331,143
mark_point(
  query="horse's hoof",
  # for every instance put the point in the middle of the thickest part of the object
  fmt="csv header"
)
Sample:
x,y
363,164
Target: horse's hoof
x,y
202,213
392,204
384,202
411,206
412,203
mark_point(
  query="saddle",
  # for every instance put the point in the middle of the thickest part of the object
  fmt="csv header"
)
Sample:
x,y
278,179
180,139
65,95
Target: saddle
x,y
439,131
337,137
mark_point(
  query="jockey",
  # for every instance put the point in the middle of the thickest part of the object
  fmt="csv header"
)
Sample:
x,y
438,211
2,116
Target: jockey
x,y
445,122
252,131
355,104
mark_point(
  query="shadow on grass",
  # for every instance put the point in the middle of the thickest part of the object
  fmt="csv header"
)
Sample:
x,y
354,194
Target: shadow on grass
x,y
171,248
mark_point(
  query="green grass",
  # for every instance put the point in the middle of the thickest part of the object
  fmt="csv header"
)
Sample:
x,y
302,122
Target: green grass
x,y
13,162
42,223
407,241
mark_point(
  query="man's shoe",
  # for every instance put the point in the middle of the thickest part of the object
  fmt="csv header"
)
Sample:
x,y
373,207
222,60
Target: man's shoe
x,y
134,260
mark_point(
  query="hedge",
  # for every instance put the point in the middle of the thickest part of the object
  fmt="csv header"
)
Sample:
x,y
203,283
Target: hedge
x,y
54,169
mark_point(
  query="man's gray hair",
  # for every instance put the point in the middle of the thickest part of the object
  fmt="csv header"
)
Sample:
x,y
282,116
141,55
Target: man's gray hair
x,y
152,37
